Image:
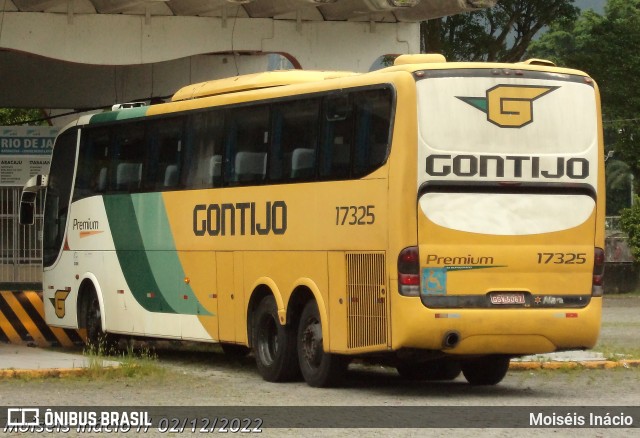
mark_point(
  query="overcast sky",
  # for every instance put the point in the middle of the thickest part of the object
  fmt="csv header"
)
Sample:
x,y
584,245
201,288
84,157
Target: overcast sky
x,y
596,5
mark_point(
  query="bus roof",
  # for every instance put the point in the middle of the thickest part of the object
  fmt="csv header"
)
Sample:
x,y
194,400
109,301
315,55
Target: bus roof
x,y
410,63
433,61
254,81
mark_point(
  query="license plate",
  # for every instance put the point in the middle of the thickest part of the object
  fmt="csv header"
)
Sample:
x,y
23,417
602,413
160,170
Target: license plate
x,y
507,298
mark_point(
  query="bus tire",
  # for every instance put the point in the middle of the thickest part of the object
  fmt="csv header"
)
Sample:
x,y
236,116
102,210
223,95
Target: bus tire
x,y
274,345
439,369
318,368
97,338
487,370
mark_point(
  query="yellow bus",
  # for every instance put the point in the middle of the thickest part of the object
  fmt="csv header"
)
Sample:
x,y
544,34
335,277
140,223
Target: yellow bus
x,y
440,217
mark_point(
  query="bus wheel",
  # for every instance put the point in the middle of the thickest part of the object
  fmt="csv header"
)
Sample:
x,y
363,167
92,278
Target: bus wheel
x,y
439,369
274,345
96,337
234,350
487,370
318,368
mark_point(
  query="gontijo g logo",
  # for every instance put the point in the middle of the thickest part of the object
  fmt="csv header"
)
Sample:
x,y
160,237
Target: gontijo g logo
x,y
509,106
58,302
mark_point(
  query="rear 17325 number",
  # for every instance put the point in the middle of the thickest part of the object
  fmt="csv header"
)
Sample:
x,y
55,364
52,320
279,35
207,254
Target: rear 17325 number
x,y
355,215
562,258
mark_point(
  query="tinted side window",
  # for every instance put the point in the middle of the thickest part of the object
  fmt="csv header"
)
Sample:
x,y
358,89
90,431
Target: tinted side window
x,y
164,149
337,139
246,145
92,175
58,195
356,133
203,164
128,158
294,140
373,130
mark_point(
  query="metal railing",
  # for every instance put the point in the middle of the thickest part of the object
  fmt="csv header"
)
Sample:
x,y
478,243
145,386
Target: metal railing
x,y
617,242
20,246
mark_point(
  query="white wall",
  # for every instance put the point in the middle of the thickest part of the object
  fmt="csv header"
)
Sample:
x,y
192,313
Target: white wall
x,y
102,39
100,59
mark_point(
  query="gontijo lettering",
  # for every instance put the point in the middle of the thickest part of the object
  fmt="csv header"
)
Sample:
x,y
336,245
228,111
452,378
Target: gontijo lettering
x,y
507,166
242,217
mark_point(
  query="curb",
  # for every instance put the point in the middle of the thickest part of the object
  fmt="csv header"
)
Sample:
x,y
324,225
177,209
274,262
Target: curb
x,y
43,373
561,365
514,366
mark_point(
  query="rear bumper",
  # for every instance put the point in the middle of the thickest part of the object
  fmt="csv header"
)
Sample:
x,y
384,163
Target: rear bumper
x,y
511,331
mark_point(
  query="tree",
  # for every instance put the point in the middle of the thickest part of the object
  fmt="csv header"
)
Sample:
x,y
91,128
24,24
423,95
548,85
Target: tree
x,y
502,33
20,116
619,186
606,46
630,224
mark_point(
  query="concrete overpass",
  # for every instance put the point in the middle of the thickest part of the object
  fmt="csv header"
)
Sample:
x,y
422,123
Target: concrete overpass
x,y
83,54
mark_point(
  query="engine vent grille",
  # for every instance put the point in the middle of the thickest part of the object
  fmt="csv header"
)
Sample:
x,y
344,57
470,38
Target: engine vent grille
x,y
366,299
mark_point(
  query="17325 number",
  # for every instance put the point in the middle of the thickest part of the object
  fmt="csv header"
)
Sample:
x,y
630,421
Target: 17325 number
x,y
562,258
355,215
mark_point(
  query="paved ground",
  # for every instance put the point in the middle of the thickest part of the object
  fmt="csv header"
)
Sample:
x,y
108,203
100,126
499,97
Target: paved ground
x,y
22,360
213,380
620,332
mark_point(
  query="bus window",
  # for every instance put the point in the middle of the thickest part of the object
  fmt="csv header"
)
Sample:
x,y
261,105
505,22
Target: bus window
x,y
128,159
58,196
203,163
356,133
164,149
246,145
93,163
373,109
335,156
294,142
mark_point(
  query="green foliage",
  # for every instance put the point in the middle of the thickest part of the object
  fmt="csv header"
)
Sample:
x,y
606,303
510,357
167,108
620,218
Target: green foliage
x,y
501,33
20,116
619,186
630,224
605,46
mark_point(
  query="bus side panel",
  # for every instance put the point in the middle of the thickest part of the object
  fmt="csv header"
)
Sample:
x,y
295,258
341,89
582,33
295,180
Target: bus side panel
x,y
288,270
338,331
200,269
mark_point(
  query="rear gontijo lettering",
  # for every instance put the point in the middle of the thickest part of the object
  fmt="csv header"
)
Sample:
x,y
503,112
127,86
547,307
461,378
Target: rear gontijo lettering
x,y
507,166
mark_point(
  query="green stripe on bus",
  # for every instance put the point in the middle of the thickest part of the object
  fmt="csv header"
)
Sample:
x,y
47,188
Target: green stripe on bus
x,y
131,254
110,116
165,265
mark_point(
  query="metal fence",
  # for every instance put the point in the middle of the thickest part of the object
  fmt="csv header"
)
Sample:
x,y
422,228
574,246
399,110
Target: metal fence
x,y
20,246
617,242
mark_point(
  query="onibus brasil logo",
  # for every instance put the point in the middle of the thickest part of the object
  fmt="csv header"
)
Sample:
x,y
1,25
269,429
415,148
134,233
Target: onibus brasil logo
x,y
509,106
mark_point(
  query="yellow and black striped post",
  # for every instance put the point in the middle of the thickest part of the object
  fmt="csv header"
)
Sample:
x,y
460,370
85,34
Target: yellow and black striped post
x,y
22,321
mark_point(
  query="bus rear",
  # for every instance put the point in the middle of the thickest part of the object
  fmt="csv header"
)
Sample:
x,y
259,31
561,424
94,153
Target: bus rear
x,y
510,212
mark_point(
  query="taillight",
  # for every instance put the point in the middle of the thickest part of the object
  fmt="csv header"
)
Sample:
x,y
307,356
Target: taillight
x,y
597,288
409,272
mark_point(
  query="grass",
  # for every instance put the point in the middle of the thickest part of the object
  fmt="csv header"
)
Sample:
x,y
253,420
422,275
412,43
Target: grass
x,y
134,361
617,352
